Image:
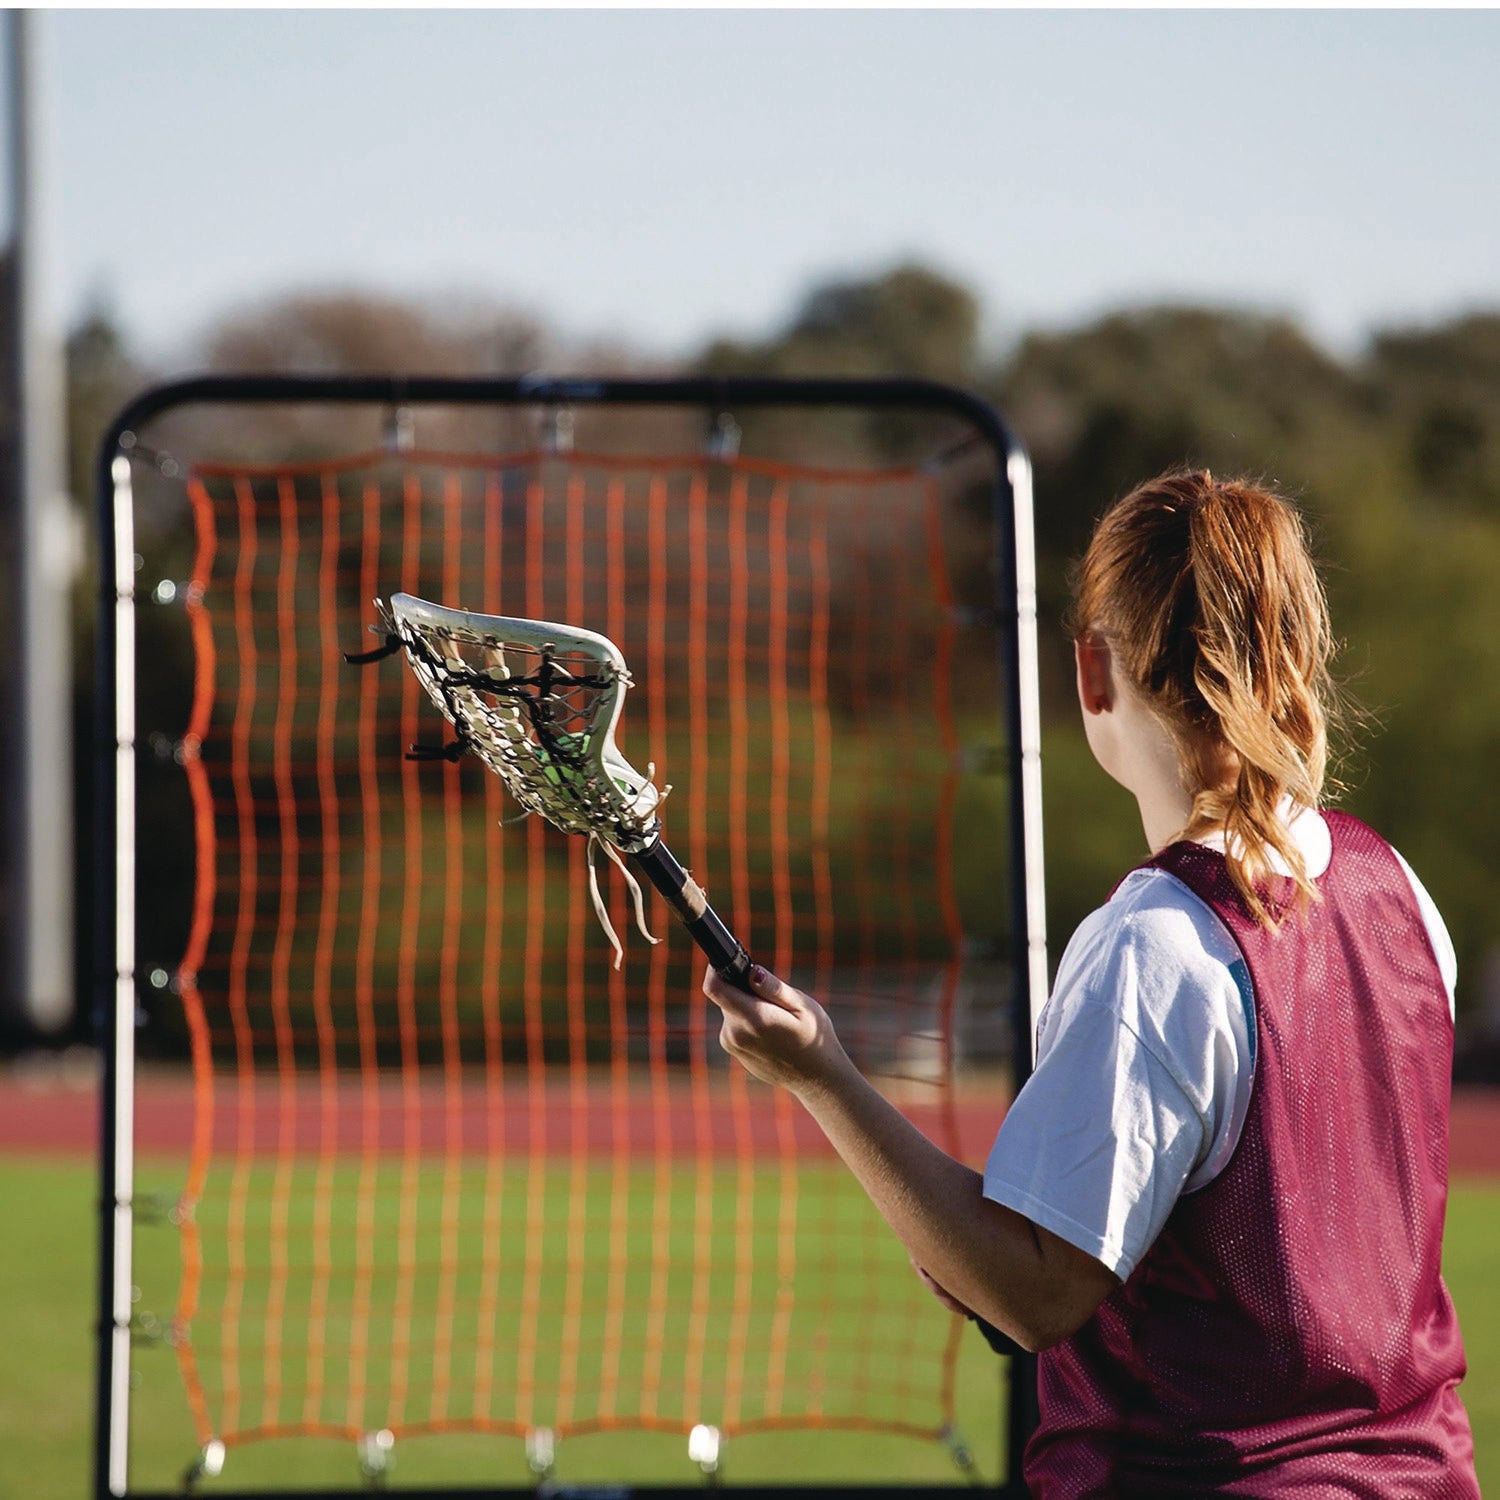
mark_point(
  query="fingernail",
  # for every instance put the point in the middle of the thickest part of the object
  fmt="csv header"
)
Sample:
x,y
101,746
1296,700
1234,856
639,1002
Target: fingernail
x,y
757,974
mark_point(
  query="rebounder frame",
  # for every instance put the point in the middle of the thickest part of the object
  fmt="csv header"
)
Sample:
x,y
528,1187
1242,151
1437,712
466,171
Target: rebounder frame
x,y
114,891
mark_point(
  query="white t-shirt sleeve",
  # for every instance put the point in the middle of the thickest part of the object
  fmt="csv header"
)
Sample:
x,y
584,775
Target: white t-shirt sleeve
x,y
1437,932
1140,1053
1105,1178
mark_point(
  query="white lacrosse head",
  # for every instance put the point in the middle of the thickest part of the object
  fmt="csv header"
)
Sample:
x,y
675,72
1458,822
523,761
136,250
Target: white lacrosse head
x,y
538,703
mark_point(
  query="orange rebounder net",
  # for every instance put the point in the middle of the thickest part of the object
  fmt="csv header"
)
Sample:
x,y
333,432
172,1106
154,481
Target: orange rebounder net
x,y
450,1171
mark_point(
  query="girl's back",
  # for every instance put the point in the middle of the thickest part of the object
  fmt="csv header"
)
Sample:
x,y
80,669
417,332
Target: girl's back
x,y
1289,1331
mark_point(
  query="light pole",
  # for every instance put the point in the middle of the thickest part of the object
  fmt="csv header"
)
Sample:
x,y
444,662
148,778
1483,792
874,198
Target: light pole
x,y
36,990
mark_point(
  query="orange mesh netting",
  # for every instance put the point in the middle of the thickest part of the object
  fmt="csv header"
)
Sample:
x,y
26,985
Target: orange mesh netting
x,y
450,1170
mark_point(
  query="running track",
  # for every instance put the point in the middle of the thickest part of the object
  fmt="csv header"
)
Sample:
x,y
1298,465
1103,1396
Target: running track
x,y
52,1105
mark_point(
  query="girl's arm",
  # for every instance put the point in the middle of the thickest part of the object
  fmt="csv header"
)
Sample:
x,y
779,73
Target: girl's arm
x,y
1026,1281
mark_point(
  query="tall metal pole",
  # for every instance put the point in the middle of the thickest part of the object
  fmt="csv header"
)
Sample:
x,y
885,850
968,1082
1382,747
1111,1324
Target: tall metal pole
x,y
37,989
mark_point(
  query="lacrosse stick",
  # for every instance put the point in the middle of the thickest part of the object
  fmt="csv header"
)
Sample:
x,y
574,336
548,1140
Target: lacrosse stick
x,y
538,702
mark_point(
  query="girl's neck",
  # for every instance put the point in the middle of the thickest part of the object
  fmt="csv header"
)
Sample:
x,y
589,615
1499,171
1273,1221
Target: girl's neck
x,y
1161,772
1150,765
1166,808
1136,748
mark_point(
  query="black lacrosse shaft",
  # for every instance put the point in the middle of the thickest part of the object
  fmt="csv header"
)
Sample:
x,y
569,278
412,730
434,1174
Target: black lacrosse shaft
x,y
685,896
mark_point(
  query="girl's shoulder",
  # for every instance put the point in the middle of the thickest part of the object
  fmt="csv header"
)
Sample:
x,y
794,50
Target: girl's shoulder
x,y
1151,916
1158,958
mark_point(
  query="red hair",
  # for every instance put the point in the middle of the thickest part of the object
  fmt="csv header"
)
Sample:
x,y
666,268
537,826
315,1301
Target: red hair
x,y
1215,612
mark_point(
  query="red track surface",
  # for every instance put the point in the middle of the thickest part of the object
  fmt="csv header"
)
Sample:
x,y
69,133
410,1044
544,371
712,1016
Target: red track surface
x,y
53,1105
57,1109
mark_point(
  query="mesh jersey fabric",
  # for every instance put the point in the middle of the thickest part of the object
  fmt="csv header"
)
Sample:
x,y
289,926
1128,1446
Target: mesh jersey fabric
x,y
1145,1063
1289,1331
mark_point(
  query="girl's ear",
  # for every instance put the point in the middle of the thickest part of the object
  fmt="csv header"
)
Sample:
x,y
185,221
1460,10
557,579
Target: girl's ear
x,y
1095,688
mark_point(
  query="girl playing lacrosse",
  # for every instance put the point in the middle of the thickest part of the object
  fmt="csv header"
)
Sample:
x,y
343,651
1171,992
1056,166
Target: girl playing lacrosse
x,y
1217,1206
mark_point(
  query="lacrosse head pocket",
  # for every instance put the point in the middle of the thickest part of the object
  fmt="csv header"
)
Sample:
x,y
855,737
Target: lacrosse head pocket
x,y
538,703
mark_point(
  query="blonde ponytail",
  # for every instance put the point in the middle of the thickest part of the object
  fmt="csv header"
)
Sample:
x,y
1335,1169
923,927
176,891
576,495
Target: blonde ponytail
x,y
1208,594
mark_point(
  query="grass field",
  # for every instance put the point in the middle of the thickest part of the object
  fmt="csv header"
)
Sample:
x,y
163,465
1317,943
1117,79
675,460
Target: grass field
x,y
46,1380
849,1328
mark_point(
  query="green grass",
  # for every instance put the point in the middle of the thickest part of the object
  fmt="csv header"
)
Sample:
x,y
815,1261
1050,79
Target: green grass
x,y
854,1297
1471,1264
46,1373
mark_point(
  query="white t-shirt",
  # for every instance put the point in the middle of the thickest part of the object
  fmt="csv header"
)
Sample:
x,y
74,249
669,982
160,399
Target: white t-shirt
x,y
1145,1061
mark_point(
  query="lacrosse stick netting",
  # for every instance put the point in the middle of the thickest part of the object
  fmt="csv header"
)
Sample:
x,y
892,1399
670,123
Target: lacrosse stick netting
x,y
538,702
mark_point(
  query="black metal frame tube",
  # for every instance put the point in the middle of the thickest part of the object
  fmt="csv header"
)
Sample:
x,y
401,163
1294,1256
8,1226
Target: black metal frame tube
x,y
438,390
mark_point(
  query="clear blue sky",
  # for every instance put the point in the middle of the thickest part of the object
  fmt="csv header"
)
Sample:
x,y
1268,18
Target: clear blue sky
x,y
660,176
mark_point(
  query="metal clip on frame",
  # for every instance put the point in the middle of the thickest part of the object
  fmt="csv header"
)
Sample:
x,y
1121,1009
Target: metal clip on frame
x,y
401,430
557,430
377,1457
703,1450
724,438
541,1453
209,1464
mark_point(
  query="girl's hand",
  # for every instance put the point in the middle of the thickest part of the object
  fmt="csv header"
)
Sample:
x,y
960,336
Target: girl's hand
x,y
778,1034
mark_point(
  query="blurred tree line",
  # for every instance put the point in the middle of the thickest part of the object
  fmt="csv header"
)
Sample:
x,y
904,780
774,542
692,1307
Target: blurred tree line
x,y
1394,454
